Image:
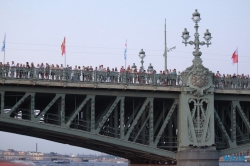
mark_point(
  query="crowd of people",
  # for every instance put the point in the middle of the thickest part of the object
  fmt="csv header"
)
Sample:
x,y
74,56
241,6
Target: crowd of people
x,y
231,81
101,74
86,73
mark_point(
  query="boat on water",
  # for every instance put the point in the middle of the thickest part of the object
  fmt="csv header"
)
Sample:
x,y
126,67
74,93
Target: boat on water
x,y
60,161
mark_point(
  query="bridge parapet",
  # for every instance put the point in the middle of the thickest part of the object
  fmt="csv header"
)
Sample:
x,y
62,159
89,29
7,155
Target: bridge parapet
x,y
116,80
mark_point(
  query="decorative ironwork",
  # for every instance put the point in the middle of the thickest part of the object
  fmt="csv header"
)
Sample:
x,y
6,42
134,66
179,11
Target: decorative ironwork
x,y
199,118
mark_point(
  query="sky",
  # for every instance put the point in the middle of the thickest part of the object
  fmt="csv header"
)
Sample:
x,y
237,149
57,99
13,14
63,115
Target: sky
x,y
96,32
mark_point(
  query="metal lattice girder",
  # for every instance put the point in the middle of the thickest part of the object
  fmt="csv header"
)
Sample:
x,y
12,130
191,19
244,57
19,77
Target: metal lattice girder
x,y
102,114
158,121
47,107
93,141
63,109
151,123
32,106
237,127
133,114
233,123
170,113
77,111
137,117
122,119
223,129
17,104
104,119
142,126
92,113
242,114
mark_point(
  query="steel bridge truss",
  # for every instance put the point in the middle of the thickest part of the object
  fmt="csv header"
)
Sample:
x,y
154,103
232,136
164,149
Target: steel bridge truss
x,y
134,118
232,127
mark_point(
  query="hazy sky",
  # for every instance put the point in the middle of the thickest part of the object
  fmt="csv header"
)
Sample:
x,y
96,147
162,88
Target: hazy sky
x,y
96,32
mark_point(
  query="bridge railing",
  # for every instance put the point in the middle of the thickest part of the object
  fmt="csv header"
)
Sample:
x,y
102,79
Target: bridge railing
x,y
83,76
112,77
232,83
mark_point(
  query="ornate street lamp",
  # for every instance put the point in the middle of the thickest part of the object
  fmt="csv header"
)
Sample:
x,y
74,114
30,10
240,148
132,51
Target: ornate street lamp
x,y
207,36
150,68
142,56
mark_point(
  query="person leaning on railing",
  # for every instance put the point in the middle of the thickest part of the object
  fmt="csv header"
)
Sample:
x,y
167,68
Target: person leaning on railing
x,y
32,67
12,70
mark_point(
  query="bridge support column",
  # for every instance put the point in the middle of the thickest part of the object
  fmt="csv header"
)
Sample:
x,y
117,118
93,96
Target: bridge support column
x,y
198,157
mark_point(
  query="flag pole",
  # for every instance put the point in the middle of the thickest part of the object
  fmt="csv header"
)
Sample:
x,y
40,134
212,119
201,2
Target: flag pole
x,y
65,51
237,60
65,60
4,57
126,56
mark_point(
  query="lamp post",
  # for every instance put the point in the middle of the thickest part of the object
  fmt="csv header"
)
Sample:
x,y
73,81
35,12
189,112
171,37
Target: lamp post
x,y
166,49
207,36
142,56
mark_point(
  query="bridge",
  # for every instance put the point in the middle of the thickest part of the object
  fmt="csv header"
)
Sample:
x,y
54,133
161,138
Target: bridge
x,y
148,118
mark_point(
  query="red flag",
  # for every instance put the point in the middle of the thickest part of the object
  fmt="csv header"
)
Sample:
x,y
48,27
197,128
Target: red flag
x,y
235,56
63,46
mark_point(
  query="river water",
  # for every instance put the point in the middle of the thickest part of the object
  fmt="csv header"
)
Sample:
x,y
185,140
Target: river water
x,y
48,163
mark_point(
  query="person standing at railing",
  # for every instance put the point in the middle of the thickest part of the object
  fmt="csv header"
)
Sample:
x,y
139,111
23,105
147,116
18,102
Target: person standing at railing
x,y
12,72
90,73
7,69
42,70
17,70
47,69
83,73
27,70
159,79
173,77
32,67
21,71
78,73
166,78
122,72
104,75
108,74
247,81
57,72
52,71
218,79
61,72
223,80
74,77
234,80
38,72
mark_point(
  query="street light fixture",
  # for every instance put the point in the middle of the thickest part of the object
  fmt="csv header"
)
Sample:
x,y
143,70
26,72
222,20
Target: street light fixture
x,y
166,49
142,56
207,36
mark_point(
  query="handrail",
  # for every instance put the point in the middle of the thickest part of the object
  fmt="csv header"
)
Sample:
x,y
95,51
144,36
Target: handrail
x,y
83,76
111,77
